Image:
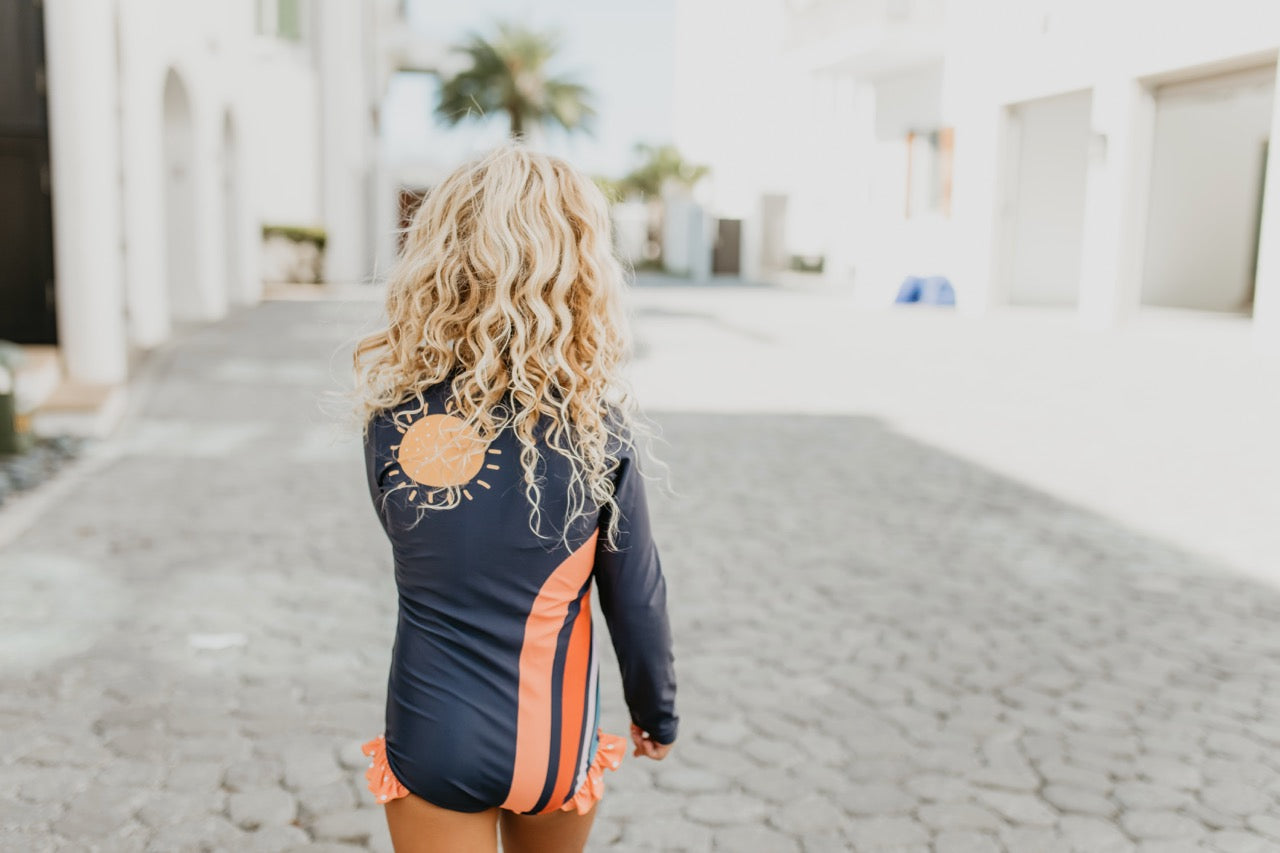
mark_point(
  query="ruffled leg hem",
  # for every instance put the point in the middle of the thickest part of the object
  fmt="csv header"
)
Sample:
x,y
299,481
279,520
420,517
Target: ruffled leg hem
x,y
608,756
383,784
385,787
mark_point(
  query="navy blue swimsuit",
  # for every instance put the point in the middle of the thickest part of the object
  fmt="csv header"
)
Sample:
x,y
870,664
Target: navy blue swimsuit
x,y
492,698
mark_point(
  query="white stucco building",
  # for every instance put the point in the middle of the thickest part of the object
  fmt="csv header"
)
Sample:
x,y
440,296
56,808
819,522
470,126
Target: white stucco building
x,y
1123,166
1096,156
807,117
146,143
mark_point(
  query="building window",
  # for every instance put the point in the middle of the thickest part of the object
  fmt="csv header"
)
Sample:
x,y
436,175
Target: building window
x,y
281,18
929,157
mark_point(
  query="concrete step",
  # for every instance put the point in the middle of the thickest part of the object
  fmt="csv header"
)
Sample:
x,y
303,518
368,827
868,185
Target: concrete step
x,y
54,405
80,408
37,376
328,292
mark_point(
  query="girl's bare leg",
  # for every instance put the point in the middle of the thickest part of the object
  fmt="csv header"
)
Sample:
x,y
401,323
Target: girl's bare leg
x,y
420,827
553,832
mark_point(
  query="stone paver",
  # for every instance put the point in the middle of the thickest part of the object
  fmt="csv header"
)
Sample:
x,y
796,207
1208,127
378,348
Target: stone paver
x,y
264,807
881,646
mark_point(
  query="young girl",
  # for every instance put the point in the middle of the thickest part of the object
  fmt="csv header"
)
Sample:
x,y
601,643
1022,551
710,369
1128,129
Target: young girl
x,y
501,459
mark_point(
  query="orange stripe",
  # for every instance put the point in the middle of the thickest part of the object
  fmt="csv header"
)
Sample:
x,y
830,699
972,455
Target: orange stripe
x,y
537,660
572,703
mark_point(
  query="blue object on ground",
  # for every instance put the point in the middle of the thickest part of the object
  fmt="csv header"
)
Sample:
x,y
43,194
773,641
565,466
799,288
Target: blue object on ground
x,y
930,290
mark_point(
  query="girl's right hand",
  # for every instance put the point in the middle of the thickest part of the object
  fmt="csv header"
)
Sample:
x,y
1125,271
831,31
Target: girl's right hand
x,y
646,746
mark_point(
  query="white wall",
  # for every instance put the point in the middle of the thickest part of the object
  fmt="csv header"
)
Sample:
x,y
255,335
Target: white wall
x,y
109,156
181,210
768,120
1056,46
1206,180
830,136
686,242
204,45
630,229
282,132
268,89
735,107
84,170
345,73
1266,298
909,100
1044,231
890,245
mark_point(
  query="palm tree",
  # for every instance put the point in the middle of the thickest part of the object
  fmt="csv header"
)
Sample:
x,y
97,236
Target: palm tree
x,y
508,73
659,165
614,190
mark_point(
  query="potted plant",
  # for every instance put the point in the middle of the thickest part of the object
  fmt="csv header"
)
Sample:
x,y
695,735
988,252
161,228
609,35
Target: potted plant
x,y
15,436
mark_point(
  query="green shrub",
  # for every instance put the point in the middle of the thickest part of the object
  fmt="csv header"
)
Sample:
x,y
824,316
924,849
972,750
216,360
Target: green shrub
x,y
807,263
297,233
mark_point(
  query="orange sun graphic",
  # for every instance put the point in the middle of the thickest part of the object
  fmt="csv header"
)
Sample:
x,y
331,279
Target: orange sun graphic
x,y
439,451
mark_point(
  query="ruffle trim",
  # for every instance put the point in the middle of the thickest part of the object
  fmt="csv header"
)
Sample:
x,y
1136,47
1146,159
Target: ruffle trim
x,y
608,756
382,782
384,785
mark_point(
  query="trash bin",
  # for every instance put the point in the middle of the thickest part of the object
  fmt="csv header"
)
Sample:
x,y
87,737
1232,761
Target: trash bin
x,y
931,290
15,433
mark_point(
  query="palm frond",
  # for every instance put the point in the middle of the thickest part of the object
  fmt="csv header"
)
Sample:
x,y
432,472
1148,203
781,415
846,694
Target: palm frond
x,y
507,73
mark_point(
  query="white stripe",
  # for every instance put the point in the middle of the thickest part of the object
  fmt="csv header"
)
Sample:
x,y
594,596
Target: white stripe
x,y
589,721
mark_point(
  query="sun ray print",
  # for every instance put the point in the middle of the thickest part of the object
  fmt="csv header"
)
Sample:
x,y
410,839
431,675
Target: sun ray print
x,y
440,451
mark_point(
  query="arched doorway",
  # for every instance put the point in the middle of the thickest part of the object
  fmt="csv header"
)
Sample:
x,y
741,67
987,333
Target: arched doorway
x,y
231,202
181,270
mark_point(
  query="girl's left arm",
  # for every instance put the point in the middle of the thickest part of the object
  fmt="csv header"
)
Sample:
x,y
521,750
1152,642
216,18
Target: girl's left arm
x,y
633,598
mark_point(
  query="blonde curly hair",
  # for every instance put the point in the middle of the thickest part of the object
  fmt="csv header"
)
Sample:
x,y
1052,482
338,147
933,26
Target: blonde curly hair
x,y
508,286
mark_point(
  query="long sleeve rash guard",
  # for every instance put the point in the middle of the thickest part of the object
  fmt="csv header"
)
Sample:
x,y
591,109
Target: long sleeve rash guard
x,y
493,689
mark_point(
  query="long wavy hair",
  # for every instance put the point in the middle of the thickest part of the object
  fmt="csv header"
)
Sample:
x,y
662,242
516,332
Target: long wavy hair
x,y
508,286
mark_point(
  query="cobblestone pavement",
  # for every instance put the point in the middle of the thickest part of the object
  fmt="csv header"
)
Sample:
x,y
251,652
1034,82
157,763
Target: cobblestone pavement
x,y
880,647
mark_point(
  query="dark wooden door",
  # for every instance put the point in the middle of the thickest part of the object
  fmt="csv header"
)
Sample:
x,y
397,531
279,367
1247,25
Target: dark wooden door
x,y
727,255
410,200
26,214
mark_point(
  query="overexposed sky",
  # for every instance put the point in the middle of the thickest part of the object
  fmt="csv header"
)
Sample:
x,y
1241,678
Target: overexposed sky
x,y
622,50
